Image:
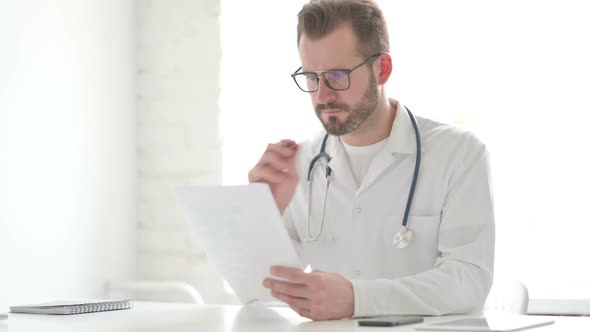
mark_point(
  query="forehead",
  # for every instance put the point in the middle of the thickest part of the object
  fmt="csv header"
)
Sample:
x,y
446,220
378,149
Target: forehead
x,y
338,49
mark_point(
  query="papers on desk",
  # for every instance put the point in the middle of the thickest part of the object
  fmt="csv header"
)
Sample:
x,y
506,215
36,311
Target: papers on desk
x,y
3,315
243,234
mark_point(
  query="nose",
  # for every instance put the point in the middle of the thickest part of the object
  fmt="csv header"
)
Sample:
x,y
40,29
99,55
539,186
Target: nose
x,y
324,94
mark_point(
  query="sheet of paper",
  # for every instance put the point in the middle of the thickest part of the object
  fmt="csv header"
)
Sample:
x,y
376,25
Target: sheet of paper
x,y
243,234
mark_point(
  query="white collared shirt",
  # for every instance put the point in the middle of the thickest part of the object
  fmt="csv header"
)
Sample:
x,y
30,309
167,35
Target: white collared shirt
x,y
448,266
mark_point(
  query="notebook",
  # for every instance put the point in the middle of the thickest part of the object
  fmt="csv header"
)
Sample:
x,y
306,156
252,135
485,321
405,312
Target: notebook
x,y
72,307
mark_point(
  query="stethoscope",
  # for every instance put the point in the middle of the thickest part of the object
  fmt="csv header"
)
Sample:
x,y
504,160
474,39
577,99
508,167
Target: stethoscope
x,y
405,235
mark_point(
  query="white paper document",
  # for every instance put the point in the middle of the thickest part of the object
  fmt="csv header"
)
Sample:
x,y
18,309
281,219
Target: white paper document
x,y
243,234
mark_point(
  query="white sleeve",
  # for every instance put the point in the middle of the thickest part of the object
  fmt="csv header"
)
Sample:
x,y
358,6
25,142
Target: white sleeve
x,y
461,277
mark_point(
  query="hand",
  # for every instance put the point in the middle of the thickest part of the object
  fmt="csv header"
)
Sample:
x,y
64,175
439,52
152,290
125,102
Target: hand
x,y
317,295
277,168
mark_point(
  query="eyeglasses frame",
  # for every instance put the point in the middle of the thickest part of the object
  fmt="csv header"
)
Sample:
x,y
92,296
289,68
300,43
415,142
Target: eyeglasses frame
x,y
323,74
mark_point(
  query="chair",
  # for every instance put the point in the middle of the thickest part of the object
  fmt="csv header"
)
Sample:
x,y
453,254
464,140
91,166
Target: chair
x,y
153,291
507,297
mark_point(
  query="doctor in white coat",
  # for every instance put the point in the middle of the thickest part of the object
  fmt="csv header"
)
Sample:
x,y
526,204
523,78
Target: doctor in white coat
x,y
346,229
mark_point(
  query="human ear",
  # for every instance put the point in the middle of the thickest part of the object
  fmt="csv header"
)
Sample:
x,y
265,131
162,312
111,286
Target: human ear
x,y
385,68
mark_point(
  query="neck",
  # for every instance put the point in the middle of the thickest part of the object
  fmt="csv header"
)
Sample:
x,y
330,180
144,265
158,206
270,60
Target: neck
x,y
376,127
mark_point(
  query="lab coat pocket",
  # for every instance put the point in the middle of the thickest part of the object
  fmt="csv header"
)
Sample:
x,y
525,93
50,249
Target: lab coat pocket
x,y
420,253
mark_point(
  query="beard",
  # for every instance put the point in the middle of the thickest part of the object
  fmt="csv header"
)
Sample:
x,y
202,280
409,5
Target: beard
x,y
357,114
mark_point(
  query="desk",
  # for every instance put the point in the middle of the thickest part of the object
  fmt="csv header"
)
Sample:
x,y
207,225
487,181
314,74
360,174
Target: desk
x,y
168,317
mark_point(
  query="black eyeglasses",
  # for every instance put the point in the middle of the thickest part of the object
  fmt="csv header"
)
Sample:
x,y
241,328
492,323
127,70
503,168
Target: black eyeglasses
x,y
335,79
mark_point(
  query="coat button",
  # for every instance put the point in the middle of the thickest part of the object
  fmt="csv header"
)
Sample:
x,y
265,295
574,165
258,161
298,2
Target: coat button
x,y
356,273
358,210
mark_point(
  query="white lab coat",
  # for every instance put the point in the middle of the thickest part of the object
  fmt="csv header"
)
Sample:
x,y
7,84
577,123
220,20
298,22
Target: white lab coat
x,y
448,266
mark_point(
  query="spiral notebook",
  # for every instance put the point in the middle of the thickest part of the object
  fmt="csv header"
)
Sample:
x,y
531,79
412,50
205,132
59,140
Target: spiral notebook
x,y
72,307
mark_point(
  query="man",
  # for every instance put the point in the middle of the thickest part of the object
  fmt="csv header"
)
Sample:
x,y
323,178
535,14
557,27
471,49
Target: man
x,y
346,229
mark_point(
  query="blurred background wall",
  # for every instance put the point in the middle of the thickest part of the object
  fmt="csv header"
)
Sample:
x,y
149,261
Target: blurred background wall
x,y
68,181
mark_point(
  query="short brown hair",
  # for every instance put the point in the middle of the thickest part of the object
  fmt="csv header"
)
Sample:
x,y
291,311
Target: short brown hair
x,y
320,17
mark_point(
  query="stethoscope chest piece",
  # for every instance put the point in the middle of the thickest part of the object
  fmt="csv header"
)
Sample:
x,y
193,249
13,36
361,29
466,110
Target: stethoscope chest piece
x,y
403,238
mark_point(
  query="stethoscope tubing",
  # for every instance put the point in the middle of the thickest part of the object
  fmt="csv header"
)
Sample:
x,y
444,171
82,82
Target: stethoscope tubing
x,y
319,156
416,169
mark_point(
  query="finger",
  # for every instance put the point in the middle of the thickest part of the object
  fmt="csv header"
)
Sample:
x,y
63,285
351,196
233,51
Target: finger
x,y
266,174
288,288
288,143
301,304
291,274
284,148
304,313
301,311
275,161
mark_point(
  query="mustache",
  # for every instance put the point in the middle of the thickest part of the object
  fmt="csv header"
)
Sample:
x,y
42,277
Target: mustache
x,y
328,106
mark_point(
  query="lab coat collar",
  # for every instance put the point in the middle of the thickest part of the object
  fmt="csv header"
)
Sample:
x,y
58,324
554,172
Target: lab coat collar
x,y
400,143
402,138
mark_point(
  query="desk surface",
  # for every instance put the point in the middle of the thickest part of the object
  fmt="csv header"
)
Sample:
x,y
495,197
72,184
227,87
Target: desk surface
x,y
169,317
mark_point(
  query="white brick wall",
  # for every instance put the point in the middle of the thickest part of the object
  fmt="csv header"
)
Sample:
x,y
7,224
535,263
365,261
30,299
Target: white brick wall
x,y
178,139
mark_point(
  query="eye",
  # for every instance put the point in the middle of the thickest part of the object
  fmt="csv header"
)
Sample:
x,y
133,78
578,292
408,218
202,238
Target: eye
x,y
310,76
336,75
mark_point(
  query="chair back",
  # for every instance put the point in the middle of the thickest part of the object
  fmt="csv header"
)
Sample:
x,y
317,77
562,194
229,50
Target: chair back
x,y
154,291
508,297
